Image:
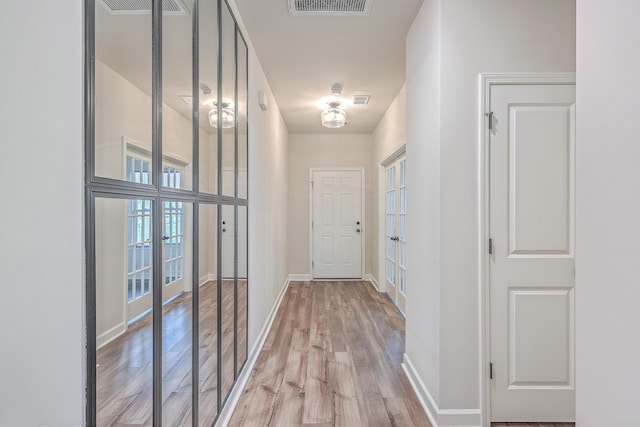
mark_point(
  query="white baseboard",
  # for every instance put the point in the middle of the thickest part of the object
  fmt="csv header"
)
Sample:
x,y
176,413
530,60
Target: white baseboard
x,y
110,335
369,277
241,382
299,277
206,278
439,417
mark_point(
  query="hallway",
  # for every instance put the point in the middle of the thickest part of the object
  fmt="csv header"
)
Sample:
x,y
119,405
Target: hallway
x,y
332,358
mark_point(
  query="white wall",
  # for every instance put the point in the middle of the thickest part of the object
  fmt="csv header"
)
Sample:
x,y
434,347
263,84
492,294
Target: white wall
x,y
608,208
268,200
41,170
324,150
388,136
449,44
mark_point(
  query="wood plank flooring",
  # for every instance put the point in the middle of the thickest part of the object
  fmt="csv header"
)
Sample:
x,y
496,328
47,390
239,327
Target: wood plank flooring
x,y
332,358
124,374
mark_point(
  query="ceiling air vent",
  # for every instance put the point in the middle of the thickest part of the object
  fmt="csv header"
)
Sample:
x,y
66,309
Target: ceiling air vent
x,y
360,99
142,7
330,7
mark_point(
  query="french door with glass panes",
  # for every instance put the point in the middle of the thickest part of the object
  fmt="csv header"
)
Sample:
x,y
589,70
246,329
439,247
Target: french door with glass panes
x,y
396,231
173,236
139,259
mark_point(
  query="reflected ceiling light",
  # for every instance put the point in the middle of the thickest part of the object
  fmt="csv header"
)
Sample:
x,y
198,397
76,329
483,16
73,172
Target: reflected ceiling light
x,y
227,116
333,117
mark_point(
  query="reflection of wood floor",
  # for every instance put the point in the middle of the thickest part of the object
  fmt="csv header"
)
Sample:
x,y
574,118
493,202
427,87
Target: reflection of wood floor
x,y
332,358
124,383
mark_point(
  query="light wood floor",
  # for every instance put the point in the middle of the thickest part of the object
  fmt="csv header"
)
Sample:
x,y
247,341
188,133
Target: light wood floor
x,y
332,358
124,373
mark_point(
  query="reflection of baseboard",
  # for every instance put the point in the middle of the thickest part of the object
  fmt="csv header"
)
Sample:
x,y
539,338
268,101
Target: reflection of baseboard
x,y
206,278
110,335
369,277
299,277
241,382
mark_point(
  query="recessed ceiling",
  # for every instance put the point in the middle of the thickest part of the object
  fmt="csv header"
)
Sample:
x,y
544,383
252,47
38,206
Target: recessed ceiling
x,y
303,56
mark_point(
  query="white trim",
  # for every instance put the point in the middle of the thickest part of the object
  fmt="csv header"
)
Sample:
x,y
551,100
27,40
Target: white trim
x,y
371,278
394,155
362,209
110,335
387,161
245,374
206,278
486,80
299,278
382,227
439,417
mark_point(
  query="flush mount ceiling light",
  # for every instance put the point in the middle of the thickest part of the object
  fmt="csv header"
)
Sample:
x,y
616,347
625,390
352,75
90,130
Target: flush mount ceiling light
x,y
333,117
227,116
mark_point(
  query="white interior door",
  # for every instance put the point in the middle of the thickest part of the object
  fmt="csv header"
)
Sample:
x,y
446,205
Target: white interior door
x,y
396,231
532,147
337,224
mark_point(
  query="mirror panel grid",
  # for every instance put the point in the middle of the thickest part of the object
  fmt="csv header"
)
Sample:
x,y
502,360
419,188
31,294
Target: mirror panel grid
x,y
227,113
122,92
142,214
207,95
208,314
228,297
177,98
243,135
242,288
124,330
177,312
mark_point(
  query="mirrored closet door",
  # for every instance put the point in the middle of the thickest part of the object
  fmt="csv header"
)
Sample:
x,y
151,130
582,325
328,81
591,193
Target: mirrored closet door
x,y
166,148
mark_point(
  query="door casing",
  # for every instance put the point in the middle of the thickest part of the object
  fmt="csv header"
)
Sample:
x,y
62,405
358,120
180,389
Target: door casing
x,y
486,81
363,219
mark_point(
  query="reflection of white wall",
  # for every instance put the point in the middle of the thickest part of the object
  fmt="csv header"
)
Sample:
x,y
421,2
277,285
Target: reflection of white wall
x,y
208,245
448,45
111,265
323,150
123,110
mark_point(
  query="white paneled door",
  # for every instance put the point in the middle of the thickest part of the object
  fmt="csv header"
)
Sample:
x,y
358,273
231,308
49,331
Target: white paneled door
x,y
337,224
531,267
396,231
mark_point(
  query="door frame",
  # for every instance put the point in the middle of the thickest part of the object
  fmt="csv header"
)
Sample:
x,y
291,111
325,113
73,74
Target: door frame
x,y
362,208
400,150
486,82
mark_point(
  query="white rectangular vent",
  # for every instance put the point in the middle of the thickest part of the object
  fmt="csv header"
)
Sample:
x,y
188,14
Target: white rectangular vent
x,y
143,7
330,7
360,99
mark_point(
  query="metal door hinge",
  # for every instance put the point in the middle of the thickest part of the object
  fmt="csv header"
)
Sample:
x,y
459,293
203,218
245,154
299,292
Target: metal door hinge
x,y
490,371
490,116
490,246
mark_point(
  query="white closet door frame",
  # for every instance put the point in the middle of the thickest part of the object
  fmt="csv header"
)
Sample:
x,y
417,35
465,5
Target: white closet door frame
x,y
486,80
363,219
382,194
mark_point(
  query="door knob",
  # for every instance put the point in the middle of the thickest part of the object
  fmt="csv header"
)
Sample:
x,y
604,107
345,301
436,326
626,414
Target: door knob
x,y
358,223
358,230
224,229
